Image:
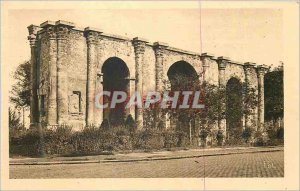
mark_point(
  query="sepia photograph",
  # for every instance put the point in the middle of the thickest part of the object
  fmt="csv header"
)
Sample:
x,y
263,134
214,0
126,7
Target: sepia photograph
x,y
150,91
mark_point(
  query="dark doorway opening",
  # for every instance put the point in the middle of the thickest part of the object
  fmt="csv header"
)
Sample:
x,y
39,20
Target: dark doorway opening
x,y
183,77
234,110
115,78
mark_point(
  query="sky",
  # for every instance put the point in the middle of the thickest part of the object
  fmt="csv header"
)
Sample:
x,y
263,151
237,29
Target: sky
x,y
243,35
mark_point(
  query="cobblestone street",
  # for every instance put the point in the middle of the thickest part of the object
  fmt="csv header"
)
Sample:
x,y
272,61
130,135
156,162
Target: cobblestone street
x,y
264,164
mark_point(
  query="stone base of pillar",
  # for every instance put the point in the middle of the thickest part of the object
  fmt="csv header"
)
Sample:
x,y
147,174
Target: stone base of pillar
x,y
139,118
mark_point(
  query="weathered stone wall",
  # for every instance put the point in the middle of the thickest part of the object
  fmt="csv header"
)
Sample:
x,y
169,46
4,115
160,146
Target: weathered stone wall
x,y
211,74
113,47
235,71
75,62
173,55
76,72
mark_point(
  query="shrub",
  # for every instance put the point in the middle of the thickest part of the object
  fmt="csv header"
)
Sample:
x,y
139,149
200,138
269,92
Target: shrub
x,y
105,124
160,124
130,123
203,133
260,138
57,141
171,139
247,134
276,136
91,139
203,136
27,145
183,139
16,129
259,141
148,139
280,133
122,138
272,133
108,141
220,137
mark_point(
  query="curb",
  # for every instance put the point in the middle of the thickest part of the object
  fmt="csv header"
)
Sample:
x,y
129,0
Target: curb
x,y
140,159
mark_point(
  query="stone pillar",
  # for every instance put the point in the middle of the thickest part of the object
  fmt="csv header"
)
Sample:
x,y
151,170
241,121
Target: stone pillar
x,y
248,104
206,61
139,49
49,27
99,111
91,39
34,110
261,70
62,32
159,49
222,62
131,92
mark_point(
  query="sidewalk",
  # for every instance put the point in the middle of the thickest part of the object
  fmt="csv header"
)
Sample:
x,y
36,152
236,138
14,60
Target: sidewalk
x,y
142,156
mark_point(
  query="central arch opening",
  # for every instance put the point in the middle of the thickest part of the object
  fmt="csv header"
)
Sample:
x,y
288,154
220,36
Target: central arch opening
x,y
183,77
115,78
234,110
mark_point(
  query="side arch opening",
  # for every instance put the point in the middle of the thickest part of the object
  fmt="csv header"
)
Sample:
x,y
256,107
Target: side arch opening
x,y
183,77
234,110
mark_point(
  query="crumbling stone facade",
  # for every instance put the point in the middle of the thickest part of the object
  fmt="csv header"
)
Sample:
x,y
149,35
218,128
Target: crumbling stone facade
x,y
68,64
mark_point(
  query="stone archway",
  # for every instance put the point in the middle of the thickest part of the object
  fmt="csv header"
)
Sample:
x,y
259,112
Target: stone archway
x,y
147,64
115,78
234,109
183,77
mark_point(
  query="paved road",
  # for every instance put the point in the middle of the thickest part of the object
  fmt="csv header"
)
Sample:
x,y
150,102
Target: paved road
x,y
267,164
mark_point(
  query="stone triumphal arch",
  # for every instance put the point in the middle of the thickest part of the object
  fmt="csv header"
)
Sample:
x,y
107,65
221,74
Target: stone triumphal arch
x,y
70,65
